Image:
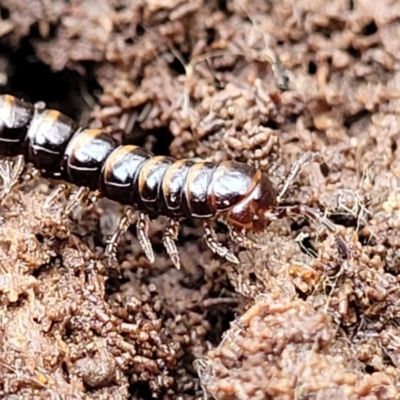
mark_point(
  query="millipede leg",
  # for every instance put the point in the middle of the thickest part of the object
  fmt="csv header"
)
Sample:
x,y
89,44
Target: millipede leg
x,y
79,197
308,212
91,198
31,174
215,246
170,235
304,159
63,188
123,226
142,234
10,174
240,238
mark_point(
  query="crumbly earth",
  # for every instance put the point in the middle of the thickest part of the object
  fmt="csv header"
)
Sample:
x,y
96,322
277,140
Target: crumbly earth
x,y
313,315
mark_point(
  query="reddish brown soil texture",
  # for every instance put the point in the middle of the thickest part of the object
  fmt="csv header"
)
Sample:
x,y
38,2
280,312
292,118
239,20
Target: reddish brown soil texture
x,y
311,316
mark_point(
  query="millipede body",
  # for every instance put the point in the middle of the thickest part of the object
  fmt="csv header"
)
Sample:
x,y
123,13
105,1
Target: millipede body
x,y
236,193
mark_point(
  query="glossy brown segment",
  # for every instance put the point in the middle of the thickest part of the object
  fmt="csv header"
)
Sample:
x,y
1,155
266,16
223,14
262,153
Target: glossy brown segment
x,y
85,156
120,174
150,184
48,136
230,184
174,187
196,190
15,116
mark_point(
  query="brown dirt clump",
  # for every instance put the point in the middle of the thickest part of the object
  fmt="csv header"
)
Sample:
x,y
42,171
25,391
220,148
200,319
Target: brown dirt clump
x,y
316,313
284,348
60,333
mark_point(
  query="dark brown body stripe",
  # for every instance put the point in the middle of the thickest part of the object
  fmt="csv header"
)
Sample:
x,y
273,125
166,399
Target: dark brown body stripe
x,y
155,185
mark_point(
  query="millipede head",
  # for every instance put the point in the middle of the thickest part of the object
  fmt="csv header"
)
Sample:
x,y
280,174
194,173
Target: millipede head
x,y
252,213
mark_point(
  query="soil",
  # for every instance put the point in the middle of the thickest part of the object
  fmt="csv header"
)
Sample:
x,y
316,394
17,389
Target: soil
x,y
313,315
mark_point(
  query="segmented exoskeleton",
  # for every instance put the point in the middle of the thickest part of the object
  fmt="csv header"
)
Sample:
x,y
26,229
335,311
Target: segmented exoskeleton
x,y
236,193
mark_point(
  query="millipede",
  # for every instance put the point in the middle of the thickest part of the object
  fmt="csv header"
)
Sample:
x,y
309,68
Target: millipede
x,y
237,194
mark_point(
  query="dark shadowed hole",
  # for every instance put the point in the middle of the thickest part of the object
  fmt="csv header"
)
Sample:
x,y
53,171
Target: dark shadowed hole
x,y
356,53
299,224
163,138
39,238
369,369
219,317
270,124
119,8
351,119
35,31
342,248
4,13
365,240
306,247
64,368
302,295
291,119
157,140
223,5
177,66
34,81
140,30
312,68
210,32
43,268
252,277
324,169
325,31
393,146
95,235
141,390
136,136
114,283
370,29
346,220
